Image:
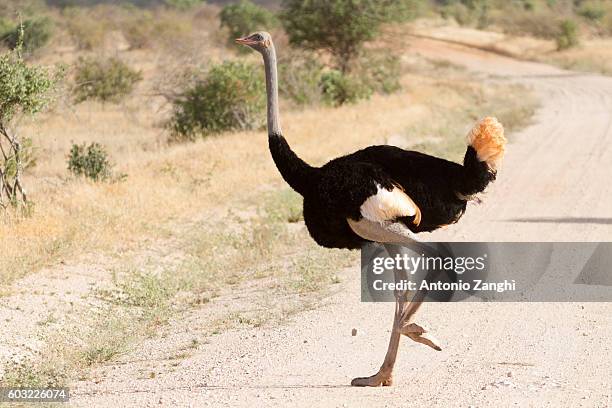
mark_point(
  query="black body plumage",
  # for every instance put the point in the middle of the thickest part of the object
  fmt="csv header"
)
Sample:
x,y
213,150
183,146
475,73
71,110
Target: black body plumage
x,y
336,191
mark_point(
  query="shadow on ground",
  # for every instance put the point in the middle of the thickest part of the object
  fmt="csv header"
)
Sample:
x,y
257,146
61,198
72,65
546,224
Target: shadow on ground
x,y
564,220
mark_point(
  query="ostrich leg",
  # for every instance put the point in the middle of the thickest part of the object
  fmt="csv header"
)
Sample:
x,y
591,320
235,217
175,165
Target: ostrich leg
x,y
403,312
384,376
402,324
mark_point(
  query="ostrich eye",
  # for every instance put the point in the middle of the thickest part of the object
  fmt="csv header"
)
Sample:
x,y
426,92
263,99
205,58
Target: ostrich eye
x,y
258,37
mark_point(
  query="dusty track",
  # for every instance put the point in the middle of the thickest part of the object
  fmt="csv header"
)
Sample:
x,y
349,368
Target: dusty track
x,y
554,186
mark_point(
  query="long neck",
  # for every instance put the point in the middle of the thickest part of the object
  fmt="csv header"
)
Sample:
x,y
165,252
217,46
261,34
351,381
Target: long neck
x,y
274,126
297,173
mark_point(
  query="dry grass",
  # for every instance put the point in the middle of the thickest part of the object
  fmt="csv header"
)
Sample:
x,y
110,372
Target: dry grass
x,y
97,339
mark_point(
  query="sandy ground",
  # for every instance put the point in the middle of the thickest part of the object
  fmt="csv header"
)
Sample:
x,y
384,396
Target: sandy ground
x,y
554,186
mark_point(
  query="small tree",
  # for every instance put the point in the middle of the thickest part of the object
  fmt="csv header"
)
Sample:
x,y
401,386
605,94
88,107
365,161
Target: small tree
x,y
340,26
245,17
24,90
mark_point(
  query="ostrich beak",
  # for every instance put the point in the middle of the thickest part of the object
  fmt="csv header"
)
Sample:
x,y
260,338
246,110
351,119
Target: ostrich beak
x,y
244,41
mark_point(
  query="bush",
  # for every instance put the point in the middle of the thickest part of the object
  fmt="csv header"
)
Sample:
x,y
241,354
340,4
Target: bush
x,y
245,17
300,78
230,97
339,89
568,35
591,10
340,26
89,161
36,34
107,80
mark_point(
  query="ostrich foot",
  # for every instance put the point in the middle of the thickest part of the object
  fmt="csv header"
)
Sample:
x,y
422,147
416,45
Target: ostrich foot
x,y
375,380
420,335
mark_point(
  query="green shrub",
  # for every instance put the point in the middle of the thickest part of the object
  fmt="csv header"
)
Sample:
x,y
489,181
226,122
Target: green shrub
x,y
300,78
568,35
230,97
89,161
340,26
106,80
339,89
36,34
592,10
245,17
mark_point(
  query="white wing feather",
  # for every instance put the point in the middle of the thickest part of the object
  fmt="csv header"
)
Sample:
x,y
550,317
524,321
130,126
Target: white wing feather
x,y
387,205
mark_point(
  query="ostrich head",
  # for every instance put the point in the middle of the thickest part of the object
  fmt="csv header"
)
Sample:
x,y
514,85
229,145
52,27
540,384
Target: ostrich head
x,y
259,41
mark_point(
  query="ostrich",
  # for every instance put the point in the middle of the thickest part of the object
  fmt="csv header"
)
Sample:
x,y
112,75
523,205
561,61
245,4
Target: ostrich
x,y
381,194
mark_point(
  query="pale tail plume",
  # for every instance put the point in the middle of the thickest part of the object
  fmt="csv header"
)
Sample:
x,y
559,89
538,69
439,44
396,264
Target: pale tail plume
x,y
487,138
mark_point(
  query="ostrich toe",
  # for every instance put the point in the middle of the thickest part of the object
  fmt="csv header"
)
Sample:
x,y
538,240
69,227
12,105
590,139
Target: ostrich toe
x,y
375,380
420,335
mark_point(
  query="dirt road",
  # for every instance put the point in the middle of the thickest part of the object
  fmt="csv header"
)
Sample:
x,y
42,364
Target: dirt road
x,y
554,186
